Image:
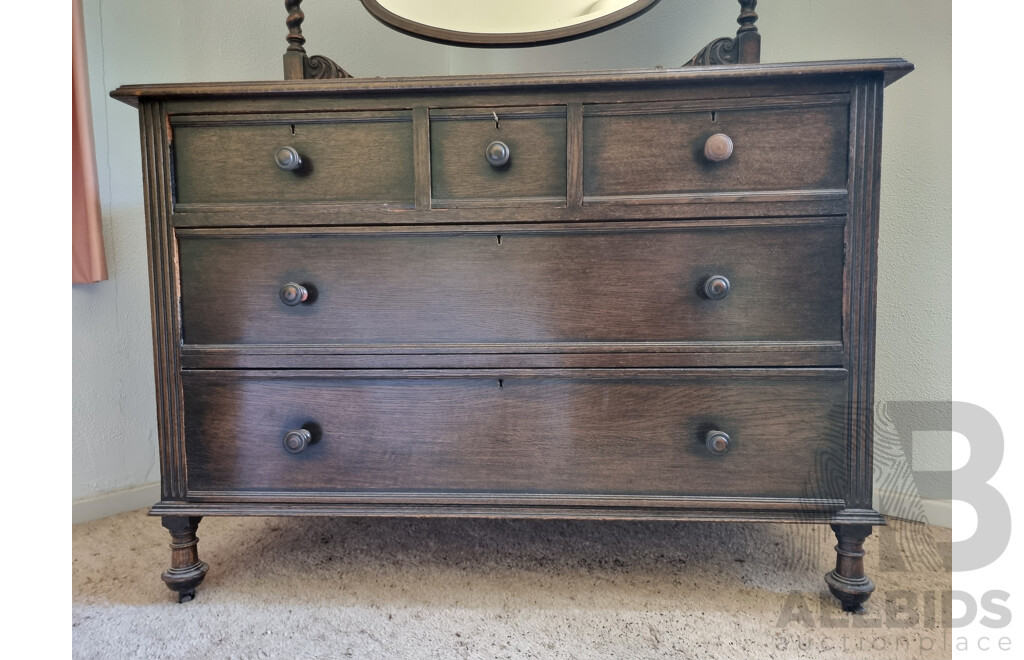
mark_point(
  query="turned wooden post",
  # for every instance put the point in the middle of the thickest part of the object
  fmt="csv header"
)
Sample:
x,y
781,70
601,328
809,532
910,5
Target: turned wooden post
x,y
847,581
298,65
748,39
295,55
186,571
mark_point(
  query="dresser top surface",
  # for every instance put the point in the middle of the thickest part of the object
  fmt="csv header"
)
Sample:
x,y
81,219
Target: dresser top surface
x,y
891,68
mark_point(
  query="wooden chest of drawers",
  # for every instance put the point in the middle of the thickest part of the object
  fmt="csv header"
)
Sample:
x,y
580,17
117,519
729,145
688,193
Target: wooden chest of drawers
x,y
621,295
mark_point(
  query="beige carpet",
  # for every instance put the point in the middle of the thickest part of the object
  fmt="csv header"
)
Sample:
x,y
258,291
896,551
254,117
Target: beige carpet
x,y
394,588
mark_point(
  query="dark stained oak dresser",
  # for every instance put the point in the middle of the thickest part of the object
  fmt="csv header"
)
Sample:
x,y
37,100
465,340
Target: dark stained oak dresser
x,y
626,295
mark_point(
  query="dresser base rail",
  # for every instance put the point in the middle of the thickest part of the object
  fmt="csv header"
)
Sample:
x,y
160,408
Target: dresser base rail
x,y
693,512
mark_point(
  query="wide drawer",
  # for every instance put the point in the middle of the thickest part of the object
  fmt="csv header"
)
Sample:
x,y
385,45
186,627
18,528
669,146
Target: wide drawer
x,y
527,146
658,149
777,434
351,157
530,285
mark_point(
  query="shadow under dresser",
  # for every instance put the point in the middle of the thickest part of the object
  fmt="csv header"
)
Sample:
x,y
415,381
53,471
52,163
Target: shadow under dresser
x,y
616,295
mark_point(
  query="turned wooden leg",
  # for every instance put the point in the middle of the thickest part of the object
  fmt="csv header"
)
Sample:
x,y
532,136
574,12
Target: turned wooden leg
x,y
848,582
186,571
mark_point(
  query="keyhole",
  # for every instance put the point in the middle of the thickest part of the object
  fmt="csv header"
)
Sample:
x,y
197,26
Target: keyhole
x,y
293,129
501,382
714,116
499,239
497,122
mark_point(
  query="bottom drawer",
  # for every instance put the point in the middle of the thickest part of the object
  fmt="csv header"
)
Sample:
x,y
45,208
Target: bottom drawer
x,y
662,432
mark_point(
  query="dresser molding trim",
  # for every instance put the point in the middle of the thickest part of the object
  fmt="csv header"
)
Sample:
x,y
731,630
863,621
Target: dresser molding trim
x,y
506,499
557,212
845,516
754,207
293,118
891,69
782,373
165,292
574,155
860,280
698,105
496,361
656,198
421,158
516,348
506,112
496,356
489,100
719,197
510,229
498,202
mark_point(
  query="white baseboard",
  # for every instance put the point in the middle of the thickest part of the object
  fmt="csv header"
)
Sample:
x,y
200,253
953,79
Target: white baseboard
x,y
933,512
113,503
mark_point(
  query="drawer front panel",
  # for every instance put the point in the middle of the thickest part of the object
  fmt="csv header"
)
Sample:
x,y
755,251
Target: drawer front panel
x,y
784,284
536,166
357,158
631,151
629,435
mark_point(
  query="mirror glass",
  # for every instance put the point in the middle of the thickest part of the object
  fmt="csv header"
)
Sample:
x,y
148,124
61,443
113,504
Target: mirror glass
x,y
504,22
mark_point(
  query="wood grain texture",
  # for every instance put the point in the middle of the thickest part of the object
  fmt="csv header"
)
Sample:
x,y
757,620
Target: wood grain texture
x,y
535,137
516,287
632,151
542,434
354,158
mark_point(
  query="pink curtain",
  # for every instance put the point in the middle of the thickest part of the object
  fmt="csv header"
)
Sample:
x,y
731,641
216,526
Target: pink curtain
x,y
88,261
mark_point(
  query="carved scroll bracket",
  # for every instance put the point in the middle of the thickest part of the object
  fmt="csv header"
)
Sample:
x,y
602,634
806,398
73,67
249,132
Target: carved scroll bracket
x,y
745,48
298,65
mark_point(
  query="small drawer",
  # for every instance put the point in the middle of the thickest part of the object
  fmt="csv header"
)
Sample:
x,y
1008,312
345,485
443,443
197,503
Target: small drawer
x,y
351,157
479,156
531,285
659,433
665,149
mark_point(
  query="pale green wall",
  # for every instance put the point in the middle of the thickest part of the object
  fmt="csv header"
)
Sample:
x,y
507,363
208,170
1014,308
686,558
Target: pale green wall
x,y
143,41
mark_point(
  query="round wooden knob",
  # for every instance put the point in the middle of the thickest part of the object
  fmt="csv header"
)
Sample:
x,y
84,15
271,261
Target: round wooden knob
x,y
288,159
297,440
292,294
497,153
716,287
717,442
718,147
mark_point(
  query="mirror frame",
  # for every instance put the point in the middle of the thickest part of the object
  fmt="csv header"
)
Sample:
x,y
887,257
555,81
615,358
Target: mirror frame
x,y
506,40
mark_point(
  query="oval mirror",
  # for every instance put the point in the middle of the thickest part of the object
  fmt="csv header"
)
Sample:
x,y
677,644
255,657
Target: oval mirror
x,y
504,23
